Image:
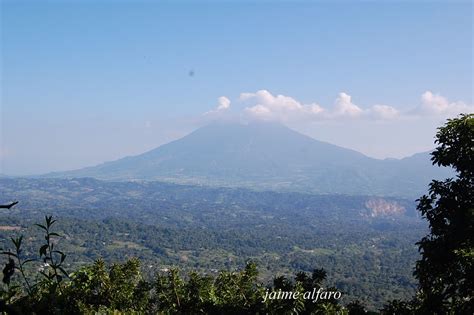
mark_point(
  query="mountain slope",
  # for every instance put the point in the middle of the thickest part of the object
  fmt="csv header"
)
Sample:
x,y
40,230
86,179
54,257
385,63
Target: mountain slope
x,y
268,156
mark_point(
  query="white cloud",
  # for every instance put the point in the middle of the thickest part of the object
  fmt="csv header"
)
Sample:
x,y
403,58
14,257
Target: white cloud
x,y
437,105
265,106
280,107
344,106
259,111
224,103
279,102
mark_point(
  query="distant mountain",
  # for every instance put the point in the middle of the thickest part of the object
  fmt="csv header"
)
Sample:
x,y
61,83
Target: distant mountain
x,y
269,156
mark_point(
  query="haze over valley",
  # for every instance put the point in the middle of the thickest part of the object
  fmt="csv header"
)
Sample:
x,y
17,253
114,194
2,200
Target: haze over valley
x,y
263,155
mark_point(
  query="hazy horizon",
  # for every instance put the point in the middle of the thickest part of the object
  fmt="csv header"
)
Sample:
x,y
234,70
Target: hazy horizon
x,y
210,123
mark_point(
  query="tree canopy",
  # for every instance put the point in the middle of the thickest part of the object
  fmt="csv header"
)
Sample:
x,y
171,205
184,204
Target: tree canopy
x,y
445,270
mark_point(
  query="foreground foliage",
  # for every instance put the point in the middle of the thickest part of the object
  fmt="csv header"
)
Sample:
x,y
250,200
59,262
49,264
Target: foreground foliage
x,y
446,269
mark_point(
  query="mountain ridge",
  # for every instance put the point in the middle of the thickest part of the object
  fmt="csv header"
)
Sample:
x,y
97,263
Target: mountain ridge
x,y
268,156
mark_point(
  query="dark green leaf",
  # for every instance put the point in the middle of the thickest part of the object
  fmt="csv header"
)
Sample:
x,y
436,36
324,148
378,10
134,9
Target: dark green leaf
x,y
42,250
42,226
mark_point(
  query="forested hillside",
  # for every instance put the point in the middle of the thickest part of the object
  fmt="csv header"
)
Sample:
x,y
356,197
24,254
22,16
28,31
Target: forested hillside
x,y
366,244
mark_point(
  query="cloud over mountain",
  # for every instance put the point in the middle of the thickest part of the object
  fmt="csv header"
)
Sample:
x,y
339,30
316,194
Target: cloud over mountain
x,y
223,104
280,107
344,106
263,105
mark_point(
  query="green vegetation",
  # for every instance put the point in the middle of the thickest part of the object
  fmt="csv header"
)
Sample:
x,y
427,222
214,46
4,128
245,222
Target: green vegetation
x,y
370,258
446,270
121,288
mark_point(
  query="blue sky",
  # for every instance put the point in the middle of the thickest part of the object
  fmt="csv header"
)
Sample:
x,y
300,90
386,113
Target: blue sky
x,y
88,81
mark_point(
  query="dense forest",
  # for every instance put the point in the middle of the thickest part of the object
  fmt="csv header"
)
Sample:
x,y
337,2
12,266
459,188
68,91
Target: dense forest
x,y
368,253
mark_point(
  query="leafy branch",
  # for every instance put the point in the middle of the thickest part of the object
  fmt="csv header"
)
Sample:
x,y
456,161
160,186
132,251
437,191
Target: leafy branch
x,y
11,266
52,257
